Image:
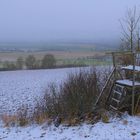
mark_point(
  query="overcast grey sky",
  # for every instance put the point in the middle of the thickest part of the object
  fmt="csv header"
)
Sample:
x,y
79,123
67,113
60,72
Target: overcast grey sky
x,y
43,20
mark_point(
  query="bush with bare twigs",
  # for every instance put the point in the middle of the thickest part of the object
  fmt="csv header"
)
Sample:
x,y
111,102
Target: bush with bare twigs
x,y
74,99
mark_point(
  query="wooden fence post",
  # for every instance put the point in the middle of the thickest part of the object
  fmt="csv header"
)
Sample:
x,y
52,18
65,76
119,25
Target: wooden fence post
x,y
133,87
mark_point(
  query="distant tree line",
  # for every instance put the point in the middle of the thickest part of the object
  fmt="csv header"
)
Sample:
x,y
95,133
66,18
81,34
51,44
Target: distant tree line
x,y
48,61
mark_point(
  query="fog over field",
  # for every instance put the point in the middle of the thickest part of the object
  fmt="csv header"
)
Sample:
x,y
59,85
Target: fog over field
x,y
53,20
68,69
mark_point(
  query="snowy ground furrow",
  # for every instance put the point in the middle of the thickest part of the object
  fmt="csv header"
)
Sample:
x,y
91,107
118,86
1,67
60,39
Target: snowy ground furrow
x,y
18,88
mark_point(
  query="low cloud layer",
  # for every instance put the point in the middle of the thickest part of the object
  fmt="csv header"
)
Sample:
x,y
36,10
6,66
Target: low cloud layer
x,y
42,20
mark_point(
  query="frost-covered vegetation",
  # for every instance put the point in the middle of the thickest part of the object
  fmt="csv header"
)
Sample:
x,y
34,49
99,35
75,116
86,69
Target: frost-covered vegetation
x,y
32,85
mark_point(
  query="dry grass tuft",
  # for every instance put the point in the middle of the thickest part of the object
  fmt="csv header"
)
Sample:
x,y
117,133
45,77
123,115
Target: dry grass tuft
x,y
9,120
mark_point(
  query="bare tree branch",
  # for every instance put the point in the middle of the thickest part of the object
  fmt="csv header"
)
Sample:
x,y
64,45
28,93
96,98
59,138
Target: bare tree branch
x,y
130,29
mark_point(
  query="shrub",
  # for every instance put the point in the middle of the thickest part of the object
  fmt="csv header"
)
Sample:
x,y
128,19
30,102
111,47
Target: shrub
x,y
39,114
19,63
30,62
37,64
74,98
79,92
48,61
7,65
22,120
22,115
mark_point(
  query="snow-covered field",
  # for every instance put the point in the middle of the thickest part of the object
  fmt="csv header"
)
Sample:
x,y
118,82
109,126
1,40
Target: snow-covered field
x,y
24,87
19,88
127,128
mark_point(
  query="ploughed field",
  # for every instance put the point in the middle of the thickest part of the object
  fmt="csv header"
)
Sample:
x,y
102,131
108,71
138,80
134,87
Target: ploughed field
x,y
25,87
18,88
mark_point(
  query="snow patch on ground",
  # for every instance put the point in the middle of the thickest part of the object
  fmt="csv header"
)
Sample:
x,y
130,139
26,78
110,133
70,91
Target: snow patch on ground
x,y
115,130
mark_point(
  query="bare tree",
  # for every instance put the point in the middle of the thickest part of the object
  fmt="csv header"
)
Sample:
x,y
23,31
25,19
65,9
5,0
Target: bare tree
x,y
138,38
130,29
30,62
19,63
48,61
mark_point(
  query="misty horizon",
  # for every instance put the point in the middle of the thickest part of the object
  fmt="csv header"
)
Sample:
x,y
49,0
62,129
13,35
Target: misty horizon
x,y
52,20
